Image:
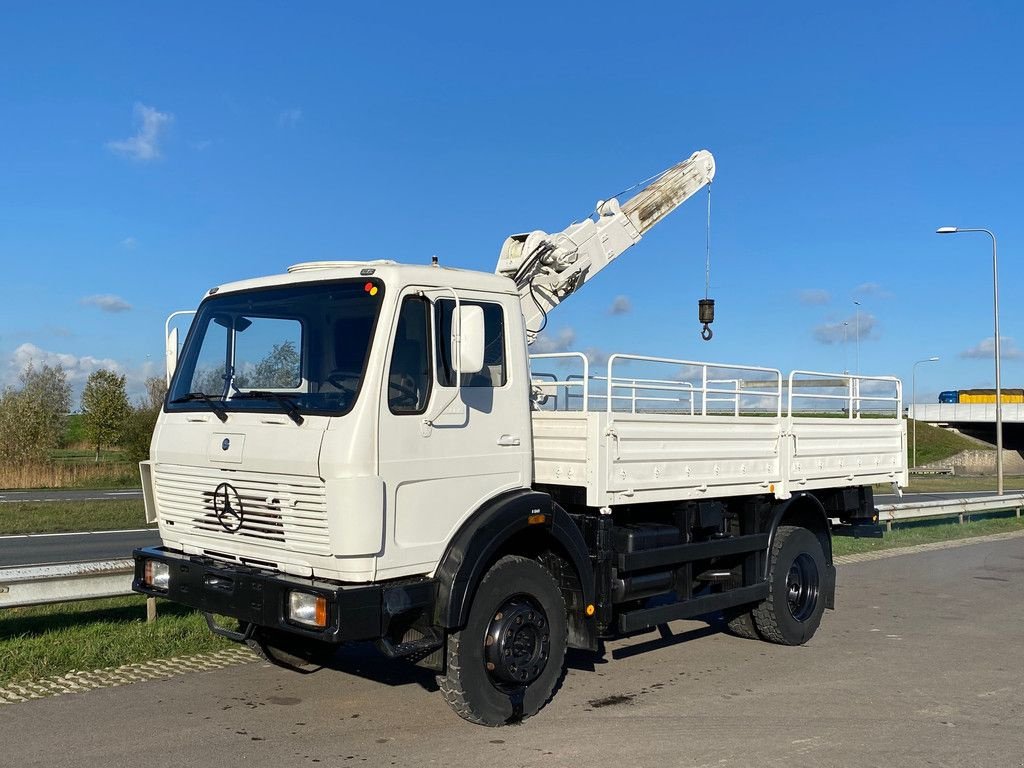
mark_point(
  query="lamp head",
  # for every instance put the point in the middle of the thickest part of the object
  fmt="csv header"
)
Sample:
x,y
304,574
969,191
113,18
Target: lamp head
x,y
946,231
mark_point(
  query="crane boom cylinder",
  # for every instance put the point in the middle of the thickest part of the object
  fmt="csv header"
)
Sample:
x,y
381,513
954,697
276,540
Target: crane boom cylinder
x,y
547,268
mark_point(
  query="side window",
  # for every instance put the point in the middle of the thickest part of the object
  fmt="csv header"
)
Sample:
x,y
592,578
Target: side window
x,y
493,374
409,375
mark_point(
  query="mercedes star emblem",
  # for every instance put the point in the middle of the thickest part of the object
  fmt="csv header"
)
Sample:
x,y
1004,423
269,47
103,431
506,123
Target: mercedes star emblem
x,y
227,505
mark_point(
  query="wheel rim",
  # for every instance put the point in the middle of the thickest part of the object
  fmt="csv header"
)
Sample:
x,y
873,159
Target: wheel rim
x,y
802,587
517,643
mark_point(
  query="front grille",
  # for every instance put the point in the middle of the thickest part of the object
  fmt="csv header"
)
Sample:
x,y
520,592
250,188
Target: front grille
x,y
278,511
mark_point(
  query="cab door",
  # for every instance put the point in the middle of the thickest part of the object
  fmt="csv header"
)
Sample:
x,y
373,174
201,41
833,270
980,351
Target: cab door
x,y
476,445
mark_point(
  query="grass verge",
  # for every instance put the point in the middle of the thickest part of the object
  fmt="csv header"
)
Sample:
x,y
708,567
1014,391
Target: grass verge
x,y
954,483
927,531
66,516
69,474
43,641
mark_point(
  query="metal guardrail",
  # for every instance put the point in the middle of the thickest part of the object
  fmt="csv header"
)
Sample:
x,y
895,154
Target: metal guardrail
x,y
43,584
890,513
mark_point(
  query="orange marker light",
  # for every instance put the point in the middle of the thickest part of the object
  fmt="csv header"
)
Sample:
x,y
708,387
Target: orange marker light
x,y
536,519
590,610
373,291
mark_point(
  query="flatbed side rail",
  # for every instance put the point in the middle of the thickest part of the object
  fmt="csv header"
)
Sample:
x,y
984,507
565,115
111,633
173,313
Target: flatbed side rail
x,y
745,387
548,384
849,394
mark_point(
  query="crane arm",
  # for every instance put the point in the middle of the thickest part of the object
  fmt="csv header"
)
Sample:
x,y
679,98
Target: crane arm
x,y
547,268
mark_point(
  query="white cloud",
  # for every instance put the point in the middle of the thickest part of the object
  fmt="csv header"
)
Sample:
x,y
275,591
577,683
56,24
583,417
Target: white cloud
x,y
872,289
846,331
560,342
145,144
986,349
814,296
78,368
598,357
620,306
289,118
129,243
108,302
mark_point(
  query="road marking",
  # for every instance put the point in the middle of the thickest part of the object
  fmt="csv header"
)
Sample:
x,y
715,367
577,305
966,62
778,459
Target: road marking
x,y
71,533
124,493
158,669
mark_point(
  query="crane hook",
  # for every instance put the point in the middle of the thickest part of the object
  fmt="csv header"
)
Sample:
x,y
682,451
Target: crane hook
x,y
706,315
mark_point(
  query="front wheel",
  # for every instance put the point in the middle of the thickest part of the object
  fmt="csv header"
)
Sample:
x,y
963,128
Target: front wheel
x,y
791,613
509,659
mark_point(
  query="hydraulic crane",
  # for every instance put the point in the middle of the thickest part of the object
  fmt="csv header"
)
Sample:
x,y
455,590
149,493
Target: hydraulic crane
x,y
549,267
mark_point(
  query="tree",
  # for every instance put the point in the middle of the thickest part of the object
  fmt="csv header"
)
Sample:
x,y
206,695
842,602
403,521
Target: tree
x,y
105,408
32,417
279,369
139,427
156,391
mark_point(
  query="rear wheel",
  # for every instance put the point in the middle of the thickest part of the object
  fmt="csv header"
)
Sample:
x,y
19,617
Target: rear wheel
x,y
509,659
792,611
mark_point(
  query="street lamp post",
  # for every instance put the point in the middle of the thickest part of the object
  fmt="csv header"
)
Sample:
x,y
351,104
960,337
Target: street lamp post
x,y
995,313
857,338
846,351
914,398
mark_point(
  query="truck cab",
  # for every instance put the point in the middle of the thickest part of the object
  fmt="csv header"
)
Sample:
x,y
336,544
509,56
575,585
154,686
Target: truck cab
x,y
317,422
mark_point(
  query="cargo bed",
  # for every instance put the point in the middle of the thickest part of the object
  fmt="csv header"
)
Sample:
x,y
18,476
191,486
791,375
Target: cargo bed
x,y
717,431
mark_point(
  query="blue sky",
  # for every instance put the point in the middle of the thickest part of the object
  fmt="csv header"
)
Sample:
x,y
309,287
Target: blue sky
x,y
150,151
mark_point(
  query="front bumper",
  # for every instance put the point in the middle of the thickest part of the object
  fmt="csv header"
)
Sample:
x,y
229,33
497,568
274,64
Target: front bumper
x,y
259,598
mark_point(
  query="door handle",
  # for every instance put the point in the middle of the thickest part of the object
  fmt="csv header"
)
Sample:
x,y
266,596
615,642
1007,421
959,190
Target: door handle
x,y
508,440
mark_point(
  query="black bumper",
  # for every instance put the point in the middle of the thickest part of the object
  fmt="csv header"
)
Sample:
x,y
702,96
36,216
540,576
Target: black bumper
x,y
259,598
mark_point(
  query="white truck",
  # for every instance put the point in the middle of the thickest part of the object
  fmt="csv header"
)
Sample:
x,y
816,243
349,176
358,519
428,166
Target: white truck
x,y
363,451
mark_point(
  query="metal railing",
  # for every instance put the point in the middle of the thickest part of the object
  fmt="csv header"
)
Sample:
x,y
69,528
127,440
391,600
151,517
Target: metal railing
x,y
44,584
853,402
960,508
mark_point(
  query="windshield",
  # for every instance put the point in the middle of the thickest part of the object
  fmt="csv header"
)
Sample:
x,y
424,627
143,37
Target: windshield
x,y
300,347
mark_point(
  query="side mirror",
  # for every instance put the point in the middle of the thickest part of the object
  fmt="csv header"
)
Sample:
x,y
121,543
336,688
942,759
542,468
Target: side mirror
x,y
467,343
171,353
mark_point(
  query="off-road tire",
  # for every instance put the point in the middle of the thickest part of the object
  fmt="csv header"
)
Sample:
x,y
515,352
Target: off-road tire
x,y
774,617
742,625
467,685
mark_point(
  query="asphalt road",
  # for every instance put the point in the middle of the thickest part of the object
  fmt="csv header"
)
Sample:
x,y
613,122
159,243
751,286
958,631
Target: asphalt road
x,y
10,497
917,667
918,498
49,548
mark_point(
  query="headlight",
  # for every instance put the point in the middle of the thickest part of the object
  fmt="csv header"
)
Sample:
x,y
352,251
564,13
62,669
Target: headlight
x,y
158,575
307,608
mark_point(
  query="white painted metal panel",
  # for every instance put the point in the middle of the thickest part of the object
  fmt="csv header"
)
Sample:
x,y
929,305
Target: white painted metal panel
x,y
845,452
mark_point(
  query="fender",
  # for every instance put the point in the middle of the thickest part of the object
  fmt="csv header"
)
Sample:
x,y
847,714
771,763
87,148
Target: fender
x,y
812,508
475,545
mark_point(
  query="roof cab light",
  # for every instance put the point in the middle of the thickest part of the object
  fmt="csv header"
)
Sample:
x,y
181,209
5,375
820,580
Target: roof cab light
x,y
158,575
307,608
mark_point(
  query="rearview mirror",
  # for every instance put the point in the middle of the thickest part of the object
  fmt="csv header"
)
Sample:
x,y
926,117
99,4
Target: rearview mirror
x,y
171,353
468,339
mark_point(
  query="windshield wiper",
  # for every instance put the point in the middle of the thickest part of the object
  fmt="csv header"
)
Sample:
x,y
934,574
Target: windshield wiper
x,y
289,405
215,405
